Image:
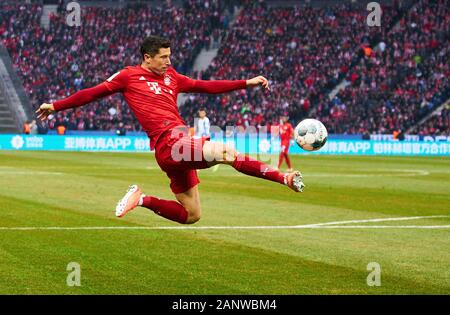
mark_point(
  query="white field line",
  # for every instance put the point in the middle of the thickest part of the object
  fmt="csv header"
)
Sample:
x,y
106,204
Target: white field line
x,y
405,174
93,228
30,173
5,170
381,227
326,225
379,220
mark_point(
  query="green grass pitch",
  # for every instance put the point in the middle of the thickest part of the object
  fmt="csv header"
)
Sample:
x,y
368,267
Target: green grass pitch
x,y
63,189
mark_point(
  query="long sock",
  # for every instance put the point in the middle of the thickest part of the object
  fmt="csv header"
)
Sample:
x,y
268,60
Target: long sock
x,y
280,159
168,209
252,167
288,161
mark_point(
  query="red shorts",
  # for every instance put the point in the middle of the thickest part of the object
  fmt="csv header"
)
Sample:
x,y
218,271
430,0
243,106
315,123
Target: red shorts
x,y
285,147
180,156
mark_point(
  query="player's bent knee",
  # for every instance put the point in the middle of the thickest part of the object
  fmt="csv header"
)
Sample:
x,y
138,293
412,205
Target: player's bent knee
x,y
193,217
194,213
219,153
229,154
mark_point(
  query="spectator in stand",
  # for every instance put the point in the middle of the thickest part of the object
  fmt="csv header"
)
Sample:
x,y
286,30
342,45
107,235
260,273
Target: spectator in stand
x,y
33,128
26,128
121,130
61,130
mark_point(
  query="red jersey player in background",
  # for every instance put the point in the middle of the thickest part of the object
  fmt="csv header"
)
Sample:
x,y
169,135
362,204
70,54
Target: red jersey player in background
x,y
286,134
151,89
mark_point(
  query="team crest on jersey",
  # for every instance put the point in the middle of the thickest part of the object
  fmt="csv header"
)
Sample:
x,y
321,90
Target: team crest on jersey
x,y
167,80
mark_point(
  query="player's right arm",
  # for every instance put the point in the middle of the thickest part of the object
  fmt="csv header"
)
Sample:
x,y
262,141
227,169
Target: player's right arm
x,y
116,83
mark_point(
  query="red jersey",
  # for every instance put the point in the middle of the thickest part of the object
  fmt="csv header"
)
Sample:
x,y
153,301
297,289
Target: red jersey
x,y
286,132
151,97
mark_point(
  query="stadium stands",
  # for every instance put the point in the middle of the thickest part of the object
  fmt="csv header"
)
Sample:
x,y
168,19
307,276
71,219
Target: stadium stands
x,y
305,52
401,81
7,123
56,62
437,125
398,73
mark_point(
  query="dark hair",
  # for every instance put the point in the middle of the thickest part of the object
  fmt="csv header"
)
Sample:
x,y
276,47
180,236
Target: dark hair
x,y
152,44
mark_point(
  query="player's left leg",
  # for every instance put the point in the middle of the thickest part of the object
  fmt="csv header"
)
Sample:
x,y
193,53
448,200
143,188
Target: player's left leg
x,y
190,200
219,153
185,210
288,162
285,152
280,158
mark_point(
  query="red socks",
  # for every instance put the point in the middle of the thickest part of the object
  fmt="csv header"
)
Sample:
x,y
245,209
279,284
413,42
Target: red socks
x,y
288,161
168,209
252,167
280,160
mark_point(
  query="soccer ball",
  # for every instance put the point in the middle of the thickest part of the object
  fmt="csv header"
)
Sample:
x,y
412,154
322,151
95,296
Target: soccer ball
x,y
310,134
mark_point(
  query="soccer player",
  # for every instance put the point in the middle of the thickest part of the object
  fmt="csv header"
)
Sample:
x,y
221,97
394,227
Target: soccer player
x,y
202,124
151,90
286,133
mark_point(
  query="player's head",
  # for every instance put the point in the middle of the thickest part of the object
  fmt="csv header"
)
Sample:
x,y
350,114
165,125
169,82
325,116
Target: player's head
x,y
284,118
155,53
202,113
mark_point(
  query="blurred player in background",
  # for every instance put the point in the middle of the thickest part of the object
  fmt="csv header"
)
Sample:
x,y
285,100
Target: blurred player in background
x,y
286,134
202,124
151,90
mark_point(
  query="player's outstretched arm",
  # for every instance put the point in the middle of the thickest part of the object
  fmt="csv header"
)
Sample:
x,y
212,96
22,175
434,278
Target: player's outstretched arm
x,y
219,86
77,99
44,111
116,83
258,81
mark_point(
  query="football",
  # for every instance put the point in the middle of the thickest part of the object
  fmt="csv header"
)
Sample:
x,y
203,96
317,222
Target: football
x,y
310,134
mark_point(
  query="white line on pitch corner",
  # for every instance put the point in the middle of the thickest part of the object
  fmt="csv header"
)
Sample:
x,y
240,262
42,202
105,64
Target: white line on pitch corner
x,y
391,173
378,220
380,227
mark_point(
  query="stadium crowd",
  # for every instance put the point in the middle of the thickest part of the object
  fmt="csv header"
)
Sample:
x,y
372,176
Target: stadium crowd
x,y
399,82
305,52
394,74
436,125
57,62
